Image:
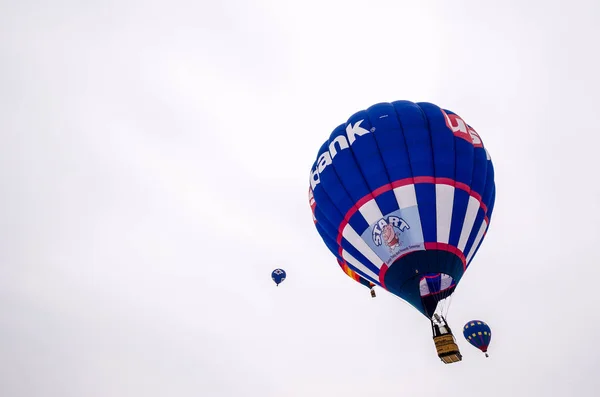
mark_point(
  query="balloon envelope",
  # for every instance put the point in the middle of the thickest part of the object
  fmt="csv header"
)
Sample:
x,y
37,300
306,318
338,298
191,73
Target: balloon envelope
x,y
402,194
478,334
278,275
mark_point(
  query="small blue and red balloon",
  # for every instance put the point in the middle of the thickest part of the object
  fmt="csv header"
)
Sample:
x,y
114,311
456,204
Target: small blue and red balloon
x,y
278,275
478,334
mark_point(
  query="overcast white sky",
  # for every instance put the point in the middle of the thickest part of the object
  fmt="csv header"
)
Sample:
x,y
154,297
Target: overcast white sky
x,y
154,162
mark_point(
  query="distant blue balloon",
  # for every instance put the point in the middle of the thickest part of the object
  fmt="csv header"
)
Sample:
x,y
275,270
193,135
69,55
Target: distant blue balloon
x,y
278,276
478,334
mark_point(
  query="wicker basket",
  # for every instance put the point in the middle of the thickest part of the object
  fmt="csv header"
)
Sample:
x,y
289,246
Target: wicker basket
x,y
447,349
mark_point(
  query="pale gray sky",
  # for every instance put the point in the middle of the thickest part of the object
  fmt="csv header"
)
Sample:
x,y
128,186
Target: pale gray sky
x,y
154,169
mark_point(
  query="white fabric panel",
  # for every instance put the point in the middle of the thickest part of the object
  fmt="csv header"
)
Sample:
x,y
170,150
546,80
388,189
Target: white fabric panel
x,y
446,281
355,262
353,238
423,287
477,241
406,196
371,212
444,200
467,226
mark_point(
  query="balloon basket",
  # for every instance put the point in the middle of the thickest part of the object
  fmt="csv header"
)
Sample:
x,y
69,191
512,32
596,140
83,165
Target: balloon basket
x,y
447,349
373,294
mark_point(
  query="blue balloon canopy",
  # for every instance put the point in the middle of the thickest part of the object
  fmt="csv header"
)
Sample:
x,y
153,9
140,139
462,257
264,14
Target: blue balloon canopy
x,y
278,275
402,194
478,334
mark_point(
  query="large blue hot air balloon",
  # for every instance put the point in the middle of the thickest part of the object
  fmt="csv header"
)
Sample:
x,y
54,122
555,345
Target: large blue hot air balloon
x,y
402,194
478,334
278,275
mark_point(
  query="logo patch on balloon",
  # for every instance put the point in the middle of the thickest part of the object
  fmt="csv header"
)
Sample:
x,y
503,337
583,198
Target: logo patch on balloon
x,y
395,234
387,231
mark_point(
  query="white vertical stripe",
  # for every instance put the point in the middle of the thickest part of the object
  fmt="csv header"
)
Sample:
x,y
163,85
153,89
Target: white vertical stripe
x,y
353,238
370,211
423,287
444,200
357,265
446,281
477,241
406,196
467,227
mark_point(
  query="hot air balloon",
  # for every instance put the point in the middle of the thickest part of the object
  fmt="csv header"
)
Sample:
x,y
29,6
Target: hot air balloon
x,y
278,275
402,194
478,334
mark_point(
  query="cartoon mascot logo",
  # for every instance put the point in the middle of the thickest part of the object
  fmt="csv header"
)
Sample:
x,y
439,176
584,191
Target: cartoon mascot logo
x,y
387,231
